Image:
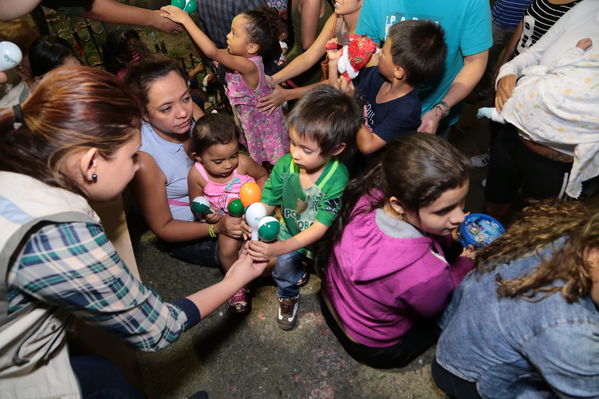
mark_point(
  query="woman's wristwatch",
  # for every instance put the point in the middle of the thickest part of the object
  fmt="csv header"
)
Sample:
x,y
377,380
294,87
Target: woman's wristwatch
x,y
443,107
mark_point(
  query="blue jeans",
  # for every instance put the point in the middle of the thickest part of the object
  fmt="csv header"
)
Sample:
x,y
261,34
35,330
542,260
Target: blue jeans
x,y
287,272
101,379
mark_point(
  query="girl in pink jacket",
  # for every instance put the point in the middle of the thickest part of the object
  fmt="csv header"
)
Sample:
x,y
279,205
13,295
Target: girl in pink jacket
x,y
387,275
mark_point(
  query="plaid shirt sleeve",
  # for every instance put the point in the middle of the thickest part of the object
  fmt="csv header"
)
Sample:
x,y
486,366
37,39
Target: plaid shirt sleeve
x,y
75,267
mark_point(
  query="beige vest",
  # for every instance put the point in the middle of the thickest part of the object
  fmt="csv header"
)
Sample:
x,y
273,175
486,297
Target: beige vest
x,y
34,359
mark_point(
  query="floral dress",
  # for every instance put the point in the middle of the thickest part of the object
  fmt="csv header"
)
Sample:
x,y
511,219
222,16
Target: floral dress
x,y
264,136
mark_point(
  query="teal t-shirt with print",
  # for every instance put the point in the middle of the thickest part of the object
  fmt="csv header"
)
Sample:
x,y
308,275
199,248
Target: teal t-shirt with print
x,y
467,27
301,207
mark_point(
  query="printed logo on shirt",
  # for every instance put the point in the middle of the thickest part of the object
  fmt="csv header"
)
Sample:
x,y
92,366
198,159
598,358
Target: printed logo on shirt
x,y
290,214
369,116
399,17
332,205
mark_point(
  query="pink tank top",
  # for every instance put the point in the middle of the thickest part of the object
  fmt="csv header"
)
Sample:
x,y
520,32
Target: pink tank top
x,y
219,194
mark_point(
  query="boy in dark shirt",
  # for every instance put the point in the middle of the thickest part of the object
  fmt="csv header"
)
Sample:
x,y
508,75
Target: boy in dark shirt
x,y
414,53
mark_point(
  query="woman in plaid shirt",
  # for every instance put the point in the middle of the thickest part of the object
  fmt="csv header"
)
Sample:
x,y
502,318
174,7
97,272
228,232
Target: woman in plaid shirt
x,y
75,139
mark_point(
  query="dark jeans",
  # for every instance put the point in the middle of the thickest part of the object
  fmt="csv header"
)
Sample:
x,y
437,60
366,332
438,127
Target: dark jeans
x,y
101,379
513,166
452,385
200,252
415,342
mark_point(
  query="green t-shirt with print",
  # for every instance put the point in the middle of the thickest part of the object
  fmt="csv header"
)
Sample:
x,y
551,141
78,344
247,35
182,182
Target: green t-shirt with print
x,y
300,207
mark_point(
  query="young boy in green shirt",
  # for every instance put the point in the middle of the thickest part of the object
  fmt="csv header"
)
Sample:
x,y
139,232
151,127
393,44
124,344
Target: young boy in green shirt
x,y
307,184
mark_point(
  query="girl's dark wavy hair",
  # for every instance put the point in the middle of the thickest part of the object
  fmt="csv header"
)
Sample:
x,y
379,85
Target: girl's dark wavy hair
x,y
538,226
416,169
263,29
48,52
120,48
71,109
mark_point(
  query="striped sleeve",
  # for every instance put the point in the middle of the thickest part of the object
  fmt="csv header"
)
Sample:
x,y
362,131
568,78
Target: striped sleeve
x,y
75,267
509,13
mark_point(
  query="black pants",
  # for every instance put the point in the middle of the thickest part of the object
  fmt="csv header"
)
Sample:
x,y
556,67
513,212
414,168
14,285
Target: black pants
x,y
513,166
452,385
415,342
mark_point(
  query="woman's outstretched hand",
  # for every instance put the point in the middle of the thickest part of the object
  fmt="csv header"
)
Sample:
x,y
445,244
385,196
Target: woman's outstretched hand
x,y
245,268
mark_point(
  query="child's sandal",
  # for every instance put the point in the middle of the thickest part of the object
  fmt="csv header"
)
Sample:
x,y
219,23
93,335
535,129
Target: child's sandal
x,y
241,302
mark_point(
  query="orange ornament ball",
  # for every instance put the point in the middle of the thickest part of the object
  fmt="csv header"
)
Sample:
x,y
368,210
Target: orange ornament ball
x,y
249,193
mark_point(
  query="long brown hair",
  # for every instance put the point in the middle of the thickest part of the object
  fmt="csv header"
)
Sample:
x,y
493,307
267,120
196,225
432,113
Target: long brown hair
x,y
540,225
416,169
72,108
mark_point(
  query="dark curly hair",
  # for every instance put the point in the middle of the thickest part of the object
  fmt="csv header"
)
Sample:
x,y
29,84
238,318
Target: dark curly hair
x,y
540,225
263,29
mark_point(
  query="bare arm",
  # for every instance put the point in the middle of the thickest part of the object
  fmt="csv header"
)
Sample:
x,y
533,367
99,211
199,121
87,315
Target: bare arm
x,y
510,47
244,66
279,95
310,12
368,142
195,183
241,272
462,85
251,168
118,13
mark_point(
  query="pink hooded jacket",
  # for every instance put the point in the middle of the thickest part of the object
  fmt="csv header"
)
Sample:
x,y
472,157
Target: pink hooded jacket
x,y
380,285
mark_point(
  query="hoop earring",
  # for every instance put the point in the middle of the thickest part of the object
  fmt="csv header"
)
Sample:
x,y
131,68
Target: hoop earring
x,y
94,176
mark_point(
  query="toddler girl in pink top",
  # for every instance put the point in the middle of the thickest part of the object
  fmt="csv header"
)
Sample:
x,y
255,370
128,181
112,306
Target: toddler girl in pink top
x,y
218,174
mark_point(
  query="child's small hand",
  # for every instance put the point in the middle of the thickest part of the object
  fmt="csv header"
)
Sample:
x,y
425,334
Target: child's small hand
x,y
346,86
212,218
469,252
175,14
584,43
262,251
230,226
333,50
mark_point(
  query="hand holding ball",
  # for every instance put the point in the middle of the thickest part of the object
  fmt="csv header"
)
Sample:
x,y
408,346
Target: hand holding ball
x,y
201,205
188,6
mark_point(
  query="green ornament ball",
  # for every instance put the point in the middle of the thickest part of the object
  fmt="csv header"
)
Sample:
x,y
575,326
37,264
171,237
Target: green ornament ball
x,y
268,229
178,3
235,208
190,6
